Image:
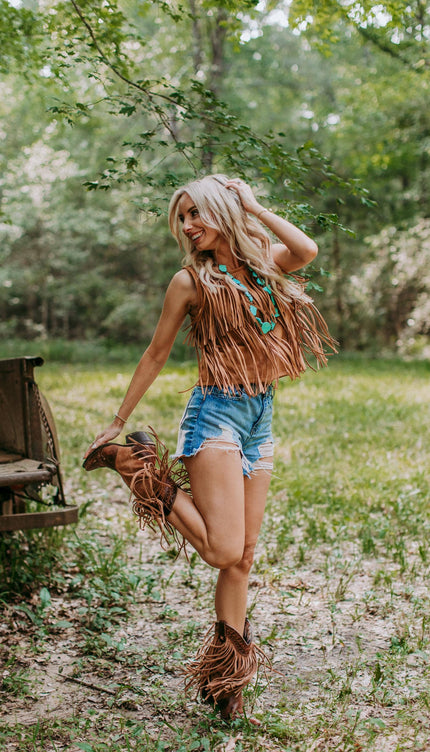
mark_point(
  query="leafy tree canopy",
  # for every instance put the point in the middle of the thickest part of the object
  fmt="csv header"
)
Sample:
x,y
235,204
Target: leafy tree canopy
x,y
115,54
399,28
131,98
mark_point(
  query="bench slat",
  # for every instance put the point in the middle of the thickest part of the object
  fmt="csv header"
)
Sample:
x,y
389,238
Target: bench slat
x,y
25,471
32,520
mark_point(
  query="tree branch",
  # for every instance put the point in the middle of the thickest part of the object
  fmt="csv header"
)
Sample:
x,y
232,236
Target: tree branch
x,y
390,49
159,114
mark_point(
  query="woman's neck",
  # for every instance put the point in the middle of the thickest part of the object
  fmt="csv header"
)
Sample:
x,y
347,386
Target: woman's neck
x,y
223,255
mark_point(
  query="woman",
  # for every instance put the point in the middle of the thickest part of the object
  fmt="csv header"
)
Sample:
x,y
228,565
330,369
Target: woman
x,y
250,326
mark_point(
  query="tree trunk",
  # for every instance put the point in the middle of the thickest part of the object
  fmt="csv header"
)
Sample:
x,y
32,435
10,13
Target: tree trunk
x,y
340,308
197,39
217,69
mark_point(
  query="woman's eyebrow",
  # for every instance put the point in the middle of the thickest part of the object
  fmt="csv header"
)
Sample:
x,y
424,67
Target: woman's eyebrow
x,y
192,208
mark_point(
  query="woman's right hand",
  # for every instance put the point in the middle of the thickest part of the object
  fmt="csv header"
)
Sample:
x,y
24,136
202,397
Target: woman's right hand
x,y
105,436
246,195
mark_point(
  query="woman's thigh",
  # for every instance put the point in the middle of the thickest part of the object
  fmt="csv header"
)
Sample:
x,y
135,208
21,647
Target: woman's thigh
x,y
218,491
256,488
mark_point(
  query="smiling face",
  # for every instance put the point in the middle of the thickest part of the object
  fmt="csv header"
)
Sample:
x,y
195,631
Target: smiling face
x,y
203,237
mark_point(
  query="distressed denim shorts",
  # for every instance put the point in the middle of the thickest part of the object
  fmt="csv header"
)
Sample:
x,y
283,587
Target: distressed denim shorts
x,y
213,418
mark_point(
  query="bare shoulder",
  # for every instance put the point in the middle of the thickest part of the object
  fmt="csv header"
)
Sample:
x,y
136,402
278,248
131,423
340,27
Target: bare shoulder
x,y
183,285
184,279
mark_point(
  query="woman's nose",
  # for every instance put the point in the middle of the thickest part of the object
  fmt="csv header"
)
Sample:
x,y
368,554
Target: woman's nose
x,y
187,224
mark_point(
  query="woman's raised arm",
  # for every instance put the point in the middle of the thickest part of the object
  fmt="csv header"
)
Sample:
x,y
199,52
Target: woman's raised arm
x,y
296,249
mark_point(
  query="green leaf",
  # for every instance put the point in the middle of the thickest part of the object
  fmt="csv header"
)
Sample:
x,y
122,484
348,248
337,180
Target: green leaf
x,y
45,598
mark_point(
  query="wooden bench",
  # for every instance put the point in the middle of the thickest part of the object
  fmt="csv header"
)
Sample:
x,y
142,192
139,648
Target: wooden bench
x,y
30,473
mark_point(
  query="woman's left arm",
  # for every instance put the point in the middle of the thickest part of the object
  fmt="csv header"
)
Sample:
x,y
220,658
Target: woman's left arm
x,y
296,249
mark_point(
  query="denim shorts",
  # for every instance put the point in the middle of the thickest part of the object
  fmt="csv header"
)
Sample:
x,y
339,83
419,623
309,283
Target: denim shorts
x,y
217,419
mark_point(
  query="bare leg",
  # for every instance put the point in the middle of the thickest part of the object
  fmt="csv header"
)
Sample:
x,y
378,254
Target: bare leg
x,y
213,520
234,519
232,587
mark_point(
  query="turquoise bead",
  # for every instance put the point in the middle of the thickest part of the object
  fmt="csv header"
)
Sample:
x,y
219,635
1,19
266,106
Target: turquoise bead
x,y
265,326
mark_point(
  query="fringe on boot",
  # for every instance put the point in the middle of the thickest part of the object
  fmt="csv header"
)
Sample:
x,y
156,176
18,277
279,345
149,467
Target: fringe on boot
x,y
144,466
153,492
223,666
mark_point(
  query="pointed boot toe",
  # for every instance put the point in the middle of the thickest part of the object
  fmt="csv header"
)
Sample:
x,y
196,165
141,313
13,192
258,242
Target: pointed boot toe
x,y
103,456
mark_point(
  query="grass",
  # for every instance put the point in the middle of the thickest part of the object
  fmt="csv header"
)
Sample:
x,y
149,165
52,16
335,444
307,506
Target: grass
x,y
83,351
338,594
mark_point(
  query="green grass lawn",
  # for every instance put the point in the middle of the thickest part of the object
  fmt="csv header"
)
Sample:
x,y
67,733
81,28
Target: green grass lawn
x,y
101,618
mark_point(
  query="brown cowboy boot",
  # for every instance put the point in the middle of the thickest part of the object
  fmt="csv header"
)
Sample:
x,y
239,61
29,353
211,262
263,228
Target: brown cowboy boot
x,y
125,459
143,465
224,665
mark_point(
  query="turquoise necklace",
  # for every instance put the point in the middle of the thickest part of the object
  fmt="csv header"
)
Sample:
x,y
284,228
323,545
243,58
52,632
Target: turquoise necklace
x,y
266,326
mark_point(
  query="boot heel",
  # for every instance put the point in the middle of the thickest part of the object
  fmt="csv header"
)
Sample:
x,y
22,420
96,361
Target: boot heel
x,y
139,437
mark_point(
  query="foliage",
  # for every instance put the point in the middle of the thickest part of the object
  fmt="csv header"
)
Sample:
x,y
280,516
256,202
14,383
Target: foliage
x,y
395,288
19,29
81,265
173,113
379,57
328,118
398,28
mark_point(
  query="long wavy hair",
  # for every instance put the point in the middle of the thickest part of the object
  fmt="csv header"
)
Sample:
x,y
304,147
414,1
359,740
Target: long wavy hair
x,y
221,209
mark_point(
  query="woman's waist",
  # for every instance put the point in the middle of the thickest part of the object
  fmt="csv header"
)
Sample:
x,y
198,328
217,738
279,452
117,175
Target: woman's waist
x,y
235,390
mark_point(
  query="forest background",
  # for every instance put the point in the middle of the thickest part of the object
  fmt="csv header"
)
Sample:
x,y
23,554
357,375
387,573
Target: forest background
x,y
107,106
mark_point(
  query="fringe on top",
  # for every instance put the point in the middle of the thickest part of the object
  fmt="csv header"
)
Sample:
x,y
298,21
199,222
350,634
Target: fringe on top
x,y
231,348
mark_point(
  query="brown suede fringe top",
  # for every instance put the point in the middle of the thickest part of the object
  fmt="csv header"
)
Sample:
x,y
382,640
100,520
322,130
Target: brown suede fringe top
x,y
231,348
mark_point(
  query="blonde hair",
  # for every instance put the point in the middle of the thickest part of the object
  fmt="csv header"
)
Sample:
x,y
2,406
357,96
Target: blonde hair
x,y
221,209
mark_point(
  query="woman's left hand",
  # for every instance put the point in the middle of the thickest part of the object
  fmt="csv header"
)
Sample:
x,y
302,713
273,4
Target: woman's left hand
x,y
104,437
246,195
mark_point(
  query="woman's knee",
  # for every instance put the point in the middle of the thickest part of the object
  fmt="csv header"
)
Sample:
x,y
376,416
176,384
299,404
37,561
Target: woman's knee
x,y
247,559
224,557
242,565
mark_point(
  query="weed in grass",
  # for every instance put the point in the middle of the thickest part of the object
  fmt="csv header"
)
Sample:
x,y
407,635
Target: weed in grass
x,y
400,555
338,587
99,734
104,580
400,644
29,559
15,680
316,531
423,640
104,645
284,537
423,552
368,545
383,577
283,729
358,613
273,634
